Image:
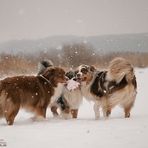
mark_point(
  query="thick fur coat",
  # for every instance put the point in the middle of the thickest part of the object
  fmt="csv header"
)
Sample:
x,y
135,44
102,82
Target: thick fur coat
x,y
114,86
33,93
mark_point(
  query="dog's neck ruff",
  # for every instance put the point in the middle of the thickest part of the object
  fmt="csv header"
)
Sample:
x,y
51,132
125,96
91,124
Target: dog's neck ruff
x,y
45,79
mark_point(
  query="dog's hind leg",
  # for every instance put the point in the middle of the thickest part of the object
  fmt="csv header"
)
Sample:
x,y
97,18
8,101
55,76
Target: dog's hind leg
x,y
127,109
54,111
10,111
96,109
106,111
106,108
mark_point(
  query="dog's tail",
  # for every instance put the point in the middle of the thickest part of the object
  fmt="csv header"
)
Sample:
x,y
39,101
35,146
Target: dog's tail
x,y
120,68
42,65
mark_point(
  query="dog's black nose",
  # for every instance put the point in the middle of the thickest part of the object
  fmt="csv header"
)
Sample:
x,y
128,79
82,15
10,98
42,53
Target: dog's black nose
x,y
75,79
78,75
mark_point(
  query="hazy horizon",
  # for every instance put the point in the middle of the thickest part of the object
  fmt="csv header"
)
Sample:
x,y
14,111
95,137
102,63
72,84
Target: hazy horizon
x,y
35,19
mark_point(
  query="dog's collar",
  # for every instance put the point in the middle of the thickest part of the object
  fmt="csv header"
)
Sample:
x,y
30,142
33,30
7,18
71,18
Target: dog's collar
x,y
45,79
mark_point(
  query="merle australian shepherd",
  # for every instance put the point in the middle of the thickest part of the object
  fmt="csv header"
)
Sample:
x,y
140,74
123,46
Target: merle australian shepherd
x,y
114,86
34,93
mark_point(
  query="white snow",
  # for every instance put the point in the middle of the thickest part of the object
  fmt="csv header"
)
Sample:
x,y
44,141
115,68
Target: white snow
x,y
85,132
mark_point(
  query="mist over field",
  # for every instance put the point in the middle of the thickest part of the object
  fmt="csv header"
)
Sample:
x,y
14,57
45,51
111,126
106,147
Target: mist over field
x,y
71,33
103,44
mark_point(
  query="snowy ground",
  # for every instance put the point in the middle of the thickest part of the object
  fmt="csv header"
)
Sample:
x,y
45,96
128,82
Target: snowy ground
x,y
85,131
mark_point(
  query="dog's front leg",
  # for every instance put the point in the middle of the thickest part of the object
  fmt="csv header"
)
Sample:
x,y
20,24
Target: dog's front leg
x,y
96,110
106,108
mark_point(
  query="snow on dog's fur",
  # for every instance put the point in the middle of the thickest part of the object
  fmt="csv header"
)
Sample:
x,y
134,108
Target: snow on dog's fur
x,y
115,86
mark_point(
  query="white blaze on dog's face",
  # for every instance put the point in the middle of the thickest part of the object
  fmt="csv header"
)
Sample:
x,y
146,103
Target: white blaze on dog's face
x,y
85,73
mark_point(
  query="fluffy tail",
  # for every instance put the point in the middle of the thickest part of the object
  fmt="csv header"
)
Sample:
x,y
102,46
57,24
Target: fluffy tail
x,y
118,68
42,65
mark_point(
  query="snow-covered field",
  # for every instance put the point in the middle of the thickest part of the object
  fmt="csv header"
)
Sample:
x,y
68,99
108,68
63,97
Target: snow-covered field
x,y
115,132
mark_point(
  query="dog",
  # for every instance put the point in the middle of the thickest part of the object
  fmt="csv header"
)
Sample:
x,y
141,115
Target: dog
x,y
43,65
115,86
69,101
33,93
74,97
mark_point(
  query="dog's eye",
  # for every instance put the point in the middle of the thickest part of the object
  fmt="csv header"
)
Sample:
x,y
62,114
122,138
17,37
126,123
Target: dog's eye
x,y
76,71
84,70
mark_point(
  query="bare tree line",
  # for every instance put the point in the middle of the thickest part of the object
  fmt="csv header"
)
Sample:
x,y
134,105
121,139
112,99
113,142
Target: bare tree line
x,y
70,56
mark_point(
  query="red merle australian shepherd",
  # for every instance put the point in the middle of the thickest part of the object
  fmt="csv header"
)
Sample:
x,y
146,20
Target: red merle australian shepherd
x,y
114,86
34,93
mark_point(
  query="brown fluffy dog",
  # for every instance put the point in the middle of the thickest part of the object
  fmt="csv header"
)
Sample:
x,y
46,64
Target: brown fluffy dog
x,y
30,92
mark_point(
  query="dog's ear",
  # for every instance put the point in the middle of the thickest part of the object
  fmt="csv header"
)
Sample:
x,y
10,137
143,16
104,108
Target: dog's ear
x,y
49,72
92,68
43,65
70,74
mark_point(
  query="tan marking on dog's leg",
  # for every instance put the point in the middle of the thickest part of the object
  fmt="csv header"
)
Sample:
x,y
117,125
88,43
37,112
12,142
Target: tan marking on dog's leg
x,y
127,112
127,109
106,108
54,111
66,111
74,113
108,112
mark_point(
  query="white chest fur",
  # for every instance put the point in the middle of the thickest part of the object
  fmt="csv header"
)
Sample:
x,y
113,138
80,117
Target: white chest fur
x,y
74,98
57,92
85,89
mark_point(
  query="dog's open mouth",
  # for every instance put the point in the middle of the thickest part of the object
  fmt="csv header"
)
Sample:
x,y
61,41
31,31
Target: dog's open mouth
x,y
79,80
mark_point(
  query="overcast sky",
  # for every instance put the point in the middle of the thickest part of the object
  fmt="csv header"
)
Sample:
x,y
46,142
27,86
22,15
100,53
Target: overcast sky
x,y
33,19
